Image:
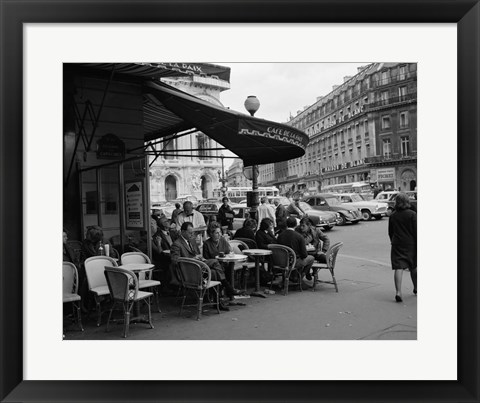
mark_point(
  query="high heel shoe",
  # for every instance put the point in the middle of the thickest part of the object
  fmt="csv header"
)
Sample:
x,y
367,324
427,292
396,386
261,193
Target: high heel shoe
x,y
398,298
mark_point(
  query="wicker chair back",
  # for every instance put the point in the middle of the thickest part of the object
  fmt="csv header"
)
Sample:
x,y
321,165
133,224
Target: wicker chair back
x,y
94,268
70,278
122,283
193,273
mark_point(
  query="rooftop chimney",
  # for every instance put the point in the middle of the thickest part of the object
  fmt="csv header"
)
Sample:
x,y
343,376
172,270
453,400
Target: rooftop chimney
x,y
346,78
335,87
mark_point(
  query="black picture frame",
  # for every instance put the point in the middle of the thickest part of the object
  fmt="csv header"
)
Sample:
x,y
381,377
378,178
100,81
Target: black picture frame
x,y
465,13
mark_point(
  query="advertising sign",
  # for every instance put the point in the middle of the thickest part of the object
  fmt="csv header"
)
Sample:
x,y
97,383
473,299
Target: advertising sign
x,y
135,219
386,175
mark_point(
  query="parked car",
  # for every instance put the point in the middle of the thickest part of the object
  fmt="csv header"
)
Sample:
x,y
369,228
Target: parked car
x,y
328,202
210,210
324,219
368,208
390,196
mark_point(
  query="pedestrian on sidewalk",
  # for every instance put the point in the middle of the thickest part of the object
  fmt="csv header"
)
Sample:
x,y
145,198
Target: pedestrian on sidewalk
x,y
402,230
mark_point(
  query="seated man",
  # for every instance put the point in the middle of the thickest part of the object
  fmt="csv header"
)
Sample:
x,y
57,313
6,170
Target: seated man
x,y
185,246
315,237
162,241
294,240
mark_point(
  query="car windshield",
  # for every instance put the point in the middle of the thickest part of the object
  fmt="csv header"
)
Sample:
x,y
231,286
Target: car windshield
x,y
304,206
332,201
356,198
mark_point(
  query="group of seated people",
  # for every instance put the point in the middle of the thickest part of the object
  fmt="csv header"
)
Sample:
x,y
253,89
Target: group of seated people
x,y
289,233
169,243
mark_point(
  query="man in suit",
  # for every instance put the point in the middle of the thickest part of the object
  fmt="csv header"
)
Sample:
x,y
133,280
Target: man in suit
x,y
294,240
162,242
185,246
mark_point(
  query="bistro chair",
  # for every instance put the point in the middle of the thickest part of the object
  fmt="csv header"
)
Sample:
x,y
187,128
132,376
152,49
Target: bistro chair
x,y
249,242
283,263
196,276
238,247
70,291
97,284
331,257
145,278
123,287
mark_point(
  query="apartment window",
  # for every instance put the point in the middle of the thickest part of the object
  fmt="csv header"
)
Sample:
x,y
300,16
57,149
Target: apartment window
x,y
387,148
384,77
384,97
402,93
365,125
403,120
405,146
402,73
385,122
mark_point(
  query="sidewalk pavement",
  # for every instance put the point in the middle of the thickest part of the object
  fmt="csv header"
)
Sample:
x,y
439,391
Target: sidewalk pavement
x,y
363,309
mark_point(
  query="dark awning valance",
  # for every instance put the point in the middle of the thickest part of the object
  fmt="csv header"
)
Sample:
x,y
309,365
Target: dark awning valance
x,y
254,140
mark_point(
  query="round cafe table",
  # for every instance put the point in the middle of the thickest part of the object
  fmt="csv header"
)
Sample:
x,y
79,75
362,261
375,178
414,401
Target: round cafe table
x,y
232,258
257,254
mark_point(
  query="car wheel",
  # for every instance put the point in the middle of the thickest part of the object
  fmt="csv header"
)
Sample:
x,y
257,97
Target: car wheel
x,y
366,215
378,217
342,220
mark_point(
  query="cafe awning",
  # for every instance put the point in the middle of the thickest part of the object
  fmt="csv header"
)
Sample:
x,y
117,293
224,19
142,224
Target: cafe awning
x,y
255,141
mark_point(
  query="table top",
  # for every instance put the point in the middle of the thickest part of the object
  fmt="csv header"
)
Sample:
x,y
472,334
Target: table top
x,y
231,258
257,252
137,266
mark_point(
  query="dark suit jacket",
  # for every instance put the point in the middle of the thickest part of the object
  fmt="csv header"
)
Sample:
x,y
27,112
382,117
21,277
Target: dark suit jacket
x,y
295,241
281,212
180,248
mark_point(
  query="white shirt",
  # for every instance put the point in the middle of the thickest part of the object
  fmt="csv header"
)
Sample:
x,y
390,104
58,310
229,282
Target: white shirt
x,y
264,211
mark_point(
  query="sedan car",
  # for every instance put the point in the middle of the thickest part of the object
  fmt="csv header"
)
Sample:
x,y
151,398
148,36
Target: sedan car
x,y
368,208
390,196
328,202
326,220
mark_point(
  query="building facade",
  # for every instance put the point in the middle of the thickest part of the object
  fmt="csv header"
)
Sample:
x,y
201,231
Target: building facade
x,y
235,176
365,130
196,172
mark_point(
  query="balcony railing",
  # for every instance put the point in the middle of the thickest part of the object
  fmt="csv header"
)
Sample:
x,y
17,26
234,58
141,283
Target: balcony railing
x,y
391,101
393,157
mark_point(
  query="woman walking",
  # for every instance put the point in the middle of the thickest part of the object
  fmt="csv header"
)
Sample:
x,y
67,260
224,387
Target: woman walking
x,y
402,230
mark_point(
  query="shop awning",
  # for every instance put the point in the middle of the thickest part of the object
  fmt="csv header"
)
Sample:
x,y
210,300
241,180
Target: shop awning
x,y
254,140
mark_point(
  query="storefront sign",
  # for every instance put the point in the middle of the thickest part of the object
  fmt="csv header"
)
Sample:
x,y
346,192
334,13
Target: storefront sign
x,y
291,136
386,175
110,147
134,201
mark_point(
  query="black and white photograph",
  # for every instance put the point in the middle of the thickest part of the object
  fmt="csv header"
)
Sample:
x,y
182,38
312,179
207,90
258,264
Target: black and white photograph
x,y
238,191
288,213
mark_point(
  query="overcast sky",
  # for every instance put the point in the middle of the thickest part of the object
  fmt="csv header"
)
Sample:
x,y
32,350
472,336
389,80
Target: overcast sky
x,y
282,88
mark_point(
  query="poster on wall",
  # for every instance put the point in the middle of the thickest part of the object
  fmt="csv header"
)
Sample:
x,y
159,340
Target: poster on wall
x,y
134,202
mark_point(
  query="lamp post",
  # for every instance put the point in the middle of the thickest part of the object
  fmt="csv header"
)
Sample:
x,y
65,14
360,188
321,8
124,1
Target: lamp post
x,y
221,176
251,105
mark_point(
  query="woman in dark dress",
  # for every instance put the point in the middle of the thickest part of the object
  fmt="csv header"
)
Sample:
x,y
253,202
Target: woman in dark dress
x,y
265,234
247,230
402,230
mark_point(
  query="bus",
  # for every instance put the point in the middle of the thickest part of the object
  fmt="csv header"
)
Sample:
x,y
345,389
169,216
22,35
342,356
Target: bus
x,y
363,188
237,194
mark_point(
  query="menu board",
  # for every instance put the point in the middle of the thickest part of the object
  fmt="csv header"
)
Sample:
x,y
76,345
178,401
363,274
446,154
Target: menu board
x,y
134,202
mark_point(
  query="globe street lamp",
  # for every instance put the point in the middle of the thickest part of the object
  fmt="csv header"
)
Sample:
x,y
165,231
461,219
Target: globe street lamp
x,y
251,105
